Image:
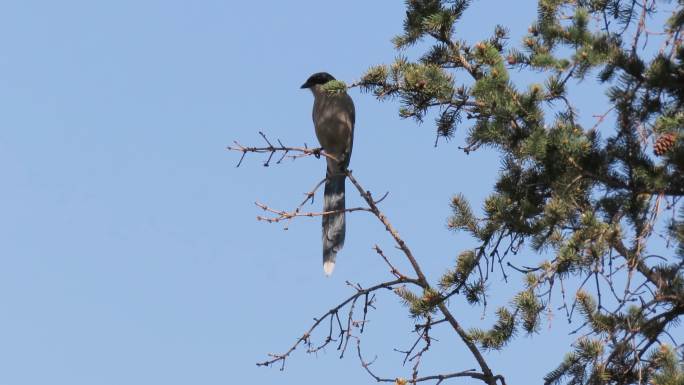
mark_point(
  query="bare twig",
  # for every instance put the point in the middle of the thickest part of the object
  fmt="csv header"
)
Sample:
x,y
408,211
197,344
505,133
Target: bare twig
x,y
437,377
284,215
271,150
393,269
305,338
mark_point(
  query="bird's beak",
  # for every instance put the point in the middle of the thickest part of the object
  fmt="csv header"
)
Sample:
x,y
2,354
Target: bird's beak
x,y
305,85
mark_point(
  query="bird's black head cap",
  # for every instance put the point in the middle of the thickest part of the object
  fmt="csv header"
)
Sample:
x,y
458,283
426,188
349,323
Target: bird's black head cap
x,y
317,78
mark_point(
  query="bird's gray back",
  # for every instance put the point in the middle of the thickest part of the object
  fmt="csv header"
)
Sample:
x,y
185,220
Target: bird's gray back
x,y
334,117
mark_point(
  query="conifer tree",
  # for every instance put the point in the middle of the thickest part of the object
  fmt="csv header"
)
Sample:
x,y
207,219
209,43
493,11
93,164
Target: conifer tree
x,y
589,200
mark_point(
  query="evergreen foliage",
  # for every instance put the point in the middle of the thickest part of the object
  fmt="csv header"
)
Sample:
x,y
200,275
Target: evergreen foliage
x,y
590,200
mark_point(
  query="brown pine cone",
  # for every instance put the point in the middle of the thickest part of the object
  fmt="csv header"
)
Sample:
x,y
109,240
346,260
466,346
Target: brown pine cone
x,y
664,143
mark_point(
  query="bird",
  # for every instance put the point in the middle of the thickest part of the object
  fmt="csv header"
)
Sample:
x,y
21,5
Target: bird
x,y
333,117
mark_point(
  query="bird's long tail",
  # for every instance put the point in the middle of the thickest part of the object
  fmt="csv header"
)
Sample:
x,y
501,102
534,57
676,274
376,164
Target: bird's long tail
x,y
333,224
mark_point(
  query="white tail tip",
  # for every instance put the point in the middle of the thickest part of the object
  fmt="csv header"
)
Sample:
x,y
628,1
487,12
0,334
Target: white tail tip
x,y
328,268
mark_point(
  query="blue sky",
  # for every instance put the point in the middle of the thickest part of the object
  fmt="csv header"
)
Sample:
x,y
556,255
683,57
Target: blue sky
x,y
129,249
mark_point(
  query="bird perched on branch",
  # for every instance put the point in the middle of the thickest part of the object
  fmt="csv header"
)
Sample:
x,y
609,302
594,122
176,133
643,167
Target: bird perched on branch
x,y
333,117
